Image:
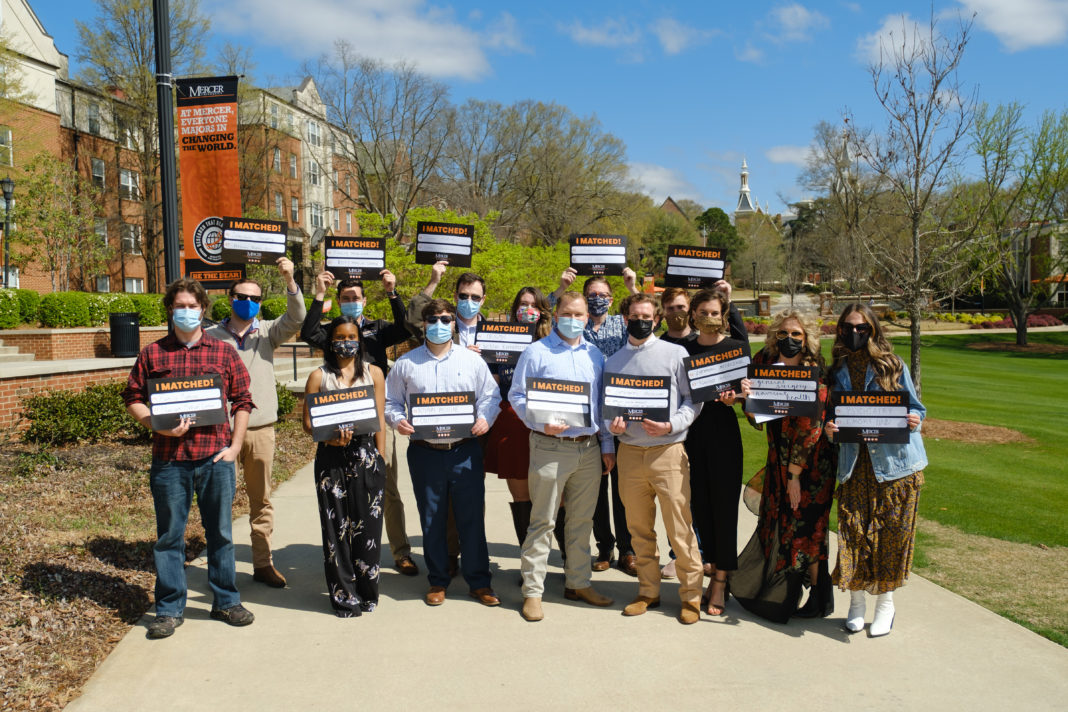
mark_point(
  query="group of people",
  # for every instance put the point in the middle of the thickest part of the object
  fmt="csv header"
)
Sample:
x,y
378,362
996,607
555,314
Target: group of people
x,y
566,481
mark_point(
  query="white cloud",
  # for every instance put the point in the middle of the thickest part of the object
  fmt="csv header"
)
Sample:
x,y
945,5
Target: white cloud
x,y
610,33
749,53
897,34
796,155
794,23
389,30
1022,24
661,182
503,34
676,37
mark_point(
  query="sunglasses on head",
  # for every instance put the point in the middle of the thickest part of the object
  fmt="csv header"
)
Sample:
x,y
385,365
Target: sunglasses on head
x,y
246,297
444,319
782,334
469,298
859,328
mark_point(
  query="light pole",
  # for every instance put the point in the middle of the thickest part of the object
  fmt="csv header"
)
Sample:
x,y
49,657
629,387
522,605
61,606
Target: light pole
x,y
754,280
8,186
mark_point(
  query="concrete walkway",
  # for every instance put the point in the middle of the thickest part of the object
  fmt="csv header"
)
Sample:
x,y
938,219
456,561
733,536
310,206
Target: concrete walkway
x,y
944,652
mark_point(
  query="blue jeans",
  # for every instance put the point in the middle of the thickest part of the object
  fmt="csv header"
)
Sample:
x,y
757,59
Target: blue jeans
x,y
173,485
438,475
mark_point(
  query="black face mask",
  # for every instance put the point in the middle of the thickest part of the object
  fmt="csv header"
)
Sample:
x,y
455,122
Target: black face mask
x,y
855,339
640,328
789,347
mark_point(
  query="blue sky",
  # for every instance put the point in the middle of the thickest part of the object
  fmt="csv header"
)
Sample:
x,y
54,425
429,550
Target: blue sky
x,y
690,87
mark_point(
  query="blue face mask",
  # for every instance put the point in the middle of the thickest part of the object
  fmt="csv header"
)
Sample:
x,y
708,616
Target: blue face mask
x,y
186,319
439,333
245,309
598,305
353,309
467,308
570,327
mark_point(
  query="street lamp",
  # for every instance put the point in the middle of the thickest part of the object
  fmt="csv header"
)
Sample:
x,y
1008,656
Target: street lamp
x,y
754,280
8,186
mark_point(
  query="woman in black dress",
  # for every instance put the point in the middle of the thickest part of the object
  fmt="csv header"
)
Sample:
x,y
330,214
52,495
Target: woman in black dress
x,y
350,477
714,446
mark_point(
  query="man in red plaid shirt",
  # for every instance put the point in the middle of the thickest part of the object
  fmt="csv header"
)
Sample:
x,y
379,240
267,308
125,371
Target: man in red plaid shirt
x,y
188,460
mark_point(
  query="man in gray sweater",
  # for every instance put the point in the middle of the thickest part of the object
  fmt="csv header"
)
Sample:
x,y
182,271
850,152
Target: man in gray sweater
x,y
255,342
651,458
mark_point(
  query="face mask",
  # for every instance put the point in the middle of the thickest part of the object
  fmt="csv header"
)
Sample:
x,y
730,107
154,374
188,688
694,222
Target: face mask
x,y
245,309
438,333
345,349
598,305
527,315
676,321
640,328
789,347
570,327
467,308
186,319
708,325
855,340
353,309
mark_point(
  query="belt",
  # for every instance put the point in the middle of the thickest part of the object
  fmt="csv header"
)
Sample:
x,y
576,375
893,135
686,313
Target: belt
x,y
441,446
576,439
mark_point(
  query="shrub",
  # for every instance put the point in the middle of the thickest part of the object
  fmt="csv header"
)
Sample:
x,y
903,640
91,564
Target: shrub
x,y
150,308
65,310
10,314
286,400
29,303
335,308
273,308
100,305
220,308
60,417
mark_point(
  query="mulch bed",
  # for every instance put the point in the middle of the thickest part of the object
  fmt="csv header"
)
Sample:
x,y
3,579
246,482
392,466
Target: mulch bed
x,y
971,432
1015,348
76,571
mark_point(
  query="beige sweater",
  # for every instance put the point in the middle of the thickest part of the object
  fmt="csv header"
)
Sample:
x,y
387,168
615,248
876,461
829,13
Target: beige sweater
x,y
257,353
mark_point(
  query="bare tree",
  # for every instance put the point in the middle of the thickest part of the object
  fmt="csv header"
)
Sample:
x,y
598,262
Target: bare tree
x,y
255,143
393,124
928,113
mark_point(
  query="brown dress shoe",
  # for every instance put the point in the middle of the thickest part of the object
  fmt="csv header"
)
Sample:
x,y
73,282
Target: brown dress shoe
x,y
270,576
435,596
532,609
453,566
588,595
603,562
406,566
690,613
629,564
485,596
640,605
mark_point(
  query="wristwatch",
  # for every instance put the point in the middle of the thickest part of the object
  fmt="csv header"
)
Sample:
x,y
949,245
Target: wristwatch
x,y
391,295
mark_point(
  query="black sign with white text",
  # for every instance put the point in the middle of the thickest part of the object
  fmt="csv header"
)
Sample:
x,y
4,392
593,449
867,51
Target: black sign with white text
x,y
254,242
441,416
717,370
355,257
598,254
452,242
636,397
197,397
871,416
694,267
350,407
501,342
554,402
784,391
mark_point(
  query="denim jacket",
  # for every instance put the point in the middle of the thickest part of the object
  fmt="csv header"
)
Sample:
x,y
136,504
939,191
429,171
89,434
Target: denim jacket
x,y
888,461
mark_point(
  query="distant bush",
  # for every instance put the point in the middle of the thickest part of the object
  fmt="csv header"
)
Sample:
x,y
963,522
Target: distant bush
x,y
10,313
1032,321
273,308
61,417
220,308
286,400
101,305
29,303
150,309
65,310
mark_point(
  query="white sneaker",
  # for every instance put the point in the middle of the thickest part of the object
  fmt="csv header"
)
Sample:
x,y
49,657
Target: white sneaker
x,y
884,615
858,606
668,572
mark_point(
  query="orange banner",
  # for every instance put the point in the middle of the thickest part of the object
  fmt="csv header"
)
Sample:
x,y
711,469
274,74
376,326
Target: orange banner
x,y
211,189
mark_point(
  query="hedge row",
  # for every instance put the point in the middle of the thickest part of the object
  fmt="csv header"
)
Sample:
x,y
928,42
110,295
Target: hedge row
x,y
75,309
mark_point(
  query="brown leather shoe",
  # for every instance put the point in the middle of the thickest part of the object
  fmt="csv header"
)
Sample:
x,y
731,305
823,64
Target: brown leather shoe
x,y
640,605
406,566
532,609
454,565
270,576
628,564
603,562
690,613
435,596
588,595
485,596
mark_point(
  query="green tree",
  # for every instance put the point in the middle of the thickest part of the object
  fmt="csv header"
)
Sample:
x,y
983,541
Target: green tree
x,y
665,229
716,227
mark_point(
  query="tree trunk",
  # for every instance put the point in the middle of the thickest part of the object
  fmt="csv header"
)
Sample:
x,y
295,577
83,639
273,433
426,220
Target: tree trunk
x,y
914,350
1019,318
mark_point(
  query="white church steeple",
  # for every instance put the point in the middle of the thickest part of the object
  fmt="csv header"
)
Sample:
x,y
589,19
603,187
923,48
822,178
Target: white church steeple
x,y
745,201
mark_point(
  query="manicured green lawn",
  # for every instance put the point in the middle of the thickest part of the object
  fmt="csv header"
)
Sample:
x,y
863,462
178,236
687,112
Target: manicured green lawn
x,y
1007,491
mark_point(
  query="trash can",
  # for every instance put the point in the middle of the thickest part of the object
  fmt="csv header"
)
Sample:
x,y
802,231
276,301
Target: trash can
x,y
125,334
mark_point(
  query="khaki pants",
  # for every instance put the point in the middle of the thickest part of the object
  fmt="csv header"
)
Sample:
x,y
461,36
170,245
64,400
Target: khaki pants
x,y
257,461
394,507
572,471
645,476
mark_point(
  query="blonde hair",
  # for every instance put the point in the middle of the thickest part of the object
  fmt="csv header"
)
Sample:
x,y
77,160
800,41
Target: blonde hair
x,y
887,365
810,353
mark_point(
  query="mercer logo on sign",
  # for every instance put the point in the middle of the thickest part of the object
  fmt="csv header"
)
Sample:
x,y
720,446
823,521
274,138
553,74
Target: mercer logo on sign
x,y
206,90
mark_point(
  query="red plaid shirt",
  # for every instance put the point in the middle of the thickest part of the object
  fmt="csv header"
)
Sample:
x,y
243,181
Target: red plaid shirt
x,y
169,358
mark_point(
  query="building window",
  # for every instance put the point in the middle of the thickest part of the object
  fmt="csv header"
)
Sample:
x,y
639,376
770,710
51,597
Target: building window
x,y
134,285
348,222
125,135
103,283
129,184
348,184
278,206
337,221
99,173
131,240
313,172
336,184
7,148
294,211
12,276
277,164
317,215
292,165
314,137
274,116
289,119
94,119
100,227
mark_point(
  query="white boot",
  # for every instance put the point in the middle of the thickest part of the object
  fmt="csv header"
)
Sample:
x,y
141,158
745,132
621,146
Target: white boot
x,y
884,615
858,606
